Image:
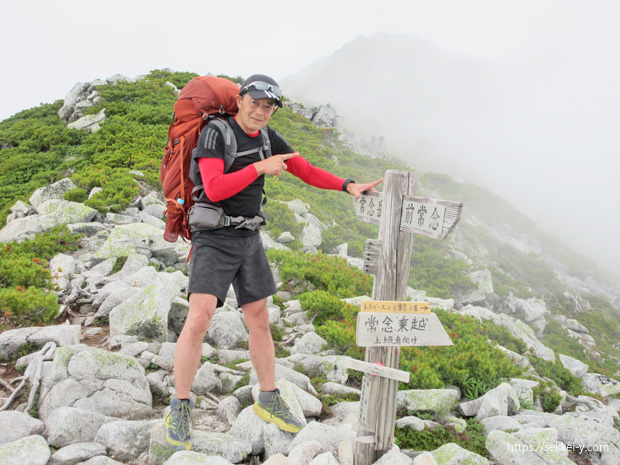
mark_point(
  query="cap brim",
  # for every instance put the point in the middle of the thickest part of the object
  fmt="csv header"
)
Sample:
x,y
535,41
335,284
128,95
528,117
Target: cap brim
x,y
259,94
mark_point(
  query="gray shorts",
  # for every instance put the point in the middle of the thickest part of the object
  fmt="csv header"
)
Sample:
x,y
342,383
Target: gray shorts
x,y
219,260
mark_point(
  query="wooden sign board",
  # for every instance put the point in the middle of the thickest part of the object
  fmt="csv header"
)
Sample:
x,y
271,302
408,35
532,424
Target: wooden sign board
x,y
429,217
400,329
379,370
420,215
364,401
383,306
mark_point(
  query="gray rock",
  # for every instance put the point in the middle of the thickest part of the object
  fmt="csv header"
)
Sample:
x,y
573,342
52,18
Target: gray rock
x,y
61,335
56,212
276,441
326,458
134,238
309,343
601,384
69,425
328,436
146,313
502,400
301,403
249,427
298,207
527,447
454,454
150,219
101,460
229,409
126,440
226,446
521,331
303,453
576,367
13,339
16,425
268,242
344,415
574,325
187,457
283,372
155,210
227,330
311,236
54,191
205,380
95,380
411,422
500,422
89,122
77,453
439,401
115,299
331,388
333,367
531,309
524,389
394,457
31,450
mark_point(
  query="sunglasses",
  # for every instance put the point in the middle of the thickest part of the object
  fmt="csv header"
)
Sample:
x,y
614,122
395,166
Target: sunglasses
x,y
260,85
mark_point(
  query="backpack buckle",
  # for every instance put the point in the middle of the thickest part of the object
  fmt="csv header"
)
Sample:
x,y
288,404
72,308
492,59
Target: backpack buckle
x,y
226,221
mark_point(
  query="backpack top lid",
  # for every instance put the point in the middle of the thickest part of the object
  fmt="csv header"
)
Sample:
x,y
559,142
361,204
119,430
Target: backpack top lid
x,y
209,95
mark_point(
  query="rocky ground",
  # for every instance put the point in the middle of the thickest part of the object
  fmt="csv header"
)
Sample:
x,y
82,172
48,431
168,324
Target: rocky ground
x,y
102,379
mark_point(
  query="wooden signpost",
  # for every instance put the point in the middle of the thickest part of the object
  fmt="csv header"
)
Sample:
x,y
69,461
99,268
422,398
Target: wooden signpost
x,y
388,322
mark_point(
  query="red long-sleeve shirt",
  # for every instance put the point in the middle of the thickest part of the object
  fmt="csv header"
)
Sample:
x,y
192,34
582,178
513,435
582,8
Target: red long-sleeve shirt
x,y
219,186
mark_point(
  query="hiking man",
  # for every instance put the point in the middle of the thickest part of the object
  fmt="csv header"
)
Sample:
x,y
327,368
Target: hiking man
x,y
233,253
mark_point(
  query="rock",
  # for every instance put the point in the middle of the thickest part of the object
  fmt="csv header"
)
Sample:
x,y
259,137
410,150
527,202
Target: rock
x,y
303,453
454,454
276,441
187,457
205,380
249,427
439,401
531,309
146,313
228,409
521,331
69,425
227,330
331,388
328,436
326,458
325,116
54,191
311,236
528,447
501,400
283,372
394,457
269,243
277,459
137,238
574,325
96,380
89,122
226,446
411,422
309,343
576,367
31,450
333,367
62,267
126,440
582,433
301,403
524,389
13,339
77,453
425,458
71,100
484,281
601,384
61,335
16,425
344,415
101,460
501,423
115,299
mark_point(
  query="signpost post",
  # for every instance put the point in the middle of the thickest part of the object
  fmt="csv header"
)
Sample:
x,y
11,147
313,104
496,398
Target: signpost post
x,y
388,322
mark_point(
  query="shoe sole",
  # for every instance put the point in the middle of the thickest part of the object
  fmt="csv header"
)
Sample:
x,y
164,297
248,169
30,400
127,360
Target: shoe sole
x,y
265,415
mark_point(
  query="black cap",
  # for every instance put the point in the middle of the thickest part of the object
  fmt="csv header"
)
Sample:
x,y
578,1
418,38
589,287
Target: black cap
x,y
262,86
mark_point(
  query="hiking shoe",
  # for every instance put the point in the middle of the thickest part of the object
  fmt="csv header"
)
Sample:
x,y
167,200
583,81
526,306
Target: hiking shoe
x,y
178,425
277,412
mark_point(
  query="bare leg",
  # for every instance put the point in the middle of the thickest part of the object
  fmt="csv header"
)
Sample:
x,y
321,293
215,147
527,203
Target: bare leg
x,y
262,351
189,346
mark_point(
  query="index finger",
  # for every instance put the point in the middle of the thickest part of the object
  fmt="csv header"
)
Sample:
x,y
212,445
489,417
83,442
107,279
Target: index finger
x,y
286,156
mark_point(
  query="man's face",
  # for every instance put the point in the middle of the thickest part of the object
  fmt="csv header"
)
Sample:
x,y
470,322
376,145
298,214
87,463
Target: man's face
x,y
254,114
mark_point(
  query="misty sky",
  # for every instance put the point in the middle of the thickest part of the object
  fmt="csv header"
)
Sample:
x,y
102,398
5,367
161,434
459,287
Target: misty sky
x,y
48,46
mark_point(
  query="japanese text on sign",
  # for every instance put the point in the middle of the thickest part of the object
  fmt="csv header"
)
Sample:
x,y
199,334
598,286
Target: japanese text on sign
x,y
400,329
423,216
395,307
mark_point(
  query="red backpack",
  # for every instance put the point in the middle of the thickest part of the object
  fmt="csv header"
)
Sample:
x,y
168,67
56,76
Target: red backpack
x,y
202,98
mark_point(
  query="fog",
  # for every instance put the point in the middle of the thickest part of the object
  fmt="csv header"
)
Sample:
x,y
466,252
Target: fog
x,y
519,97
543,135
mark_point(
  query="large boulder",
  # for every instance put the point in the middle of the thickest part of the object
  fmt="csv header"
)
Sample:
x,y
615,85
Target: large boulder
x,y
133,238
32,450
54,191
16,425
97,380
146,313
439,401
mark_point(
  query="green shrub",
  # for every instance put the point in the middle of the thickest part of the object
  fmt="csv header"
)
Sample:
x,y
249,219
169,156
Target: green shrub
x,y
548,394
76,195
28,307
556,371
472,439
322,272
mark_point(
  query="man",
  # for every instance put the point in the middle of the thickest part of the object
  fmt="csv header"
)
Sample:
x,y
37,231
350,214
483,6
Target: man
x,y
234,254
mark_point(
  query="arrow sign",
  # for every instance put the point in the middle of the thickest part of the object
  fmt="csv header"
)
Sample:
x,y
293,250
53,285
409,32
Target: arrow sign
x,y
428,217
398,329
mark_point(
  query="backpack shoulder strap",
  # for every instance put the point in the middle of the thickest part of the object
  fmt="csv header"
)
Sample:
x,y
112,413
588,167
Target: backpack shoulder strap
x,y
230,142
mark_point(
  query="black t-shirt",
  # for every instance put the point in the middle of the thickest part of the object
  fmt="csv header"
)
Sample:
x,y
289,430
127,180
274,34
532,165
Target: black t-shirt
x,y
211,144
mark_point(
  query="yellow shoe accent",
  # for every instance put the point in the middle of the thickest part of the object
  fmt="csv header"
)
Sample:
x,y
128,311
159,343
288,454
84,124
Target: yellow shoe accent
x,y
280,423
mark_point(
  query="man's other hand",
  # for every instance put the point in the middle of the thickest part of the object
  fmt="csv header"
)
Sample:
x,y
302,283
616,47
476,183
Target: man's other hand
x,y
356,189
